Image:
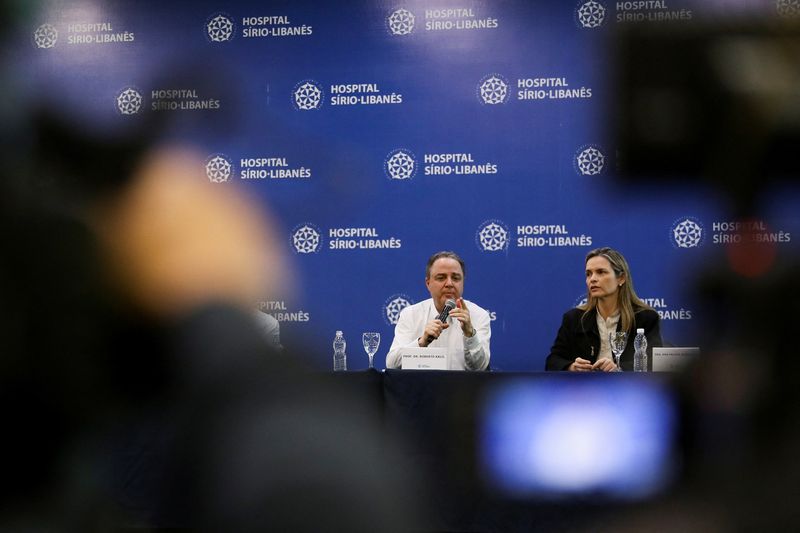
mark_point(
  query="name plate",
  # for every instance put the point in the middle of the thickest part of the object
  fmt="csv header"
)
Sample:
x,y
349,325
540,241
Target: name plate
x,y
673,359
424,359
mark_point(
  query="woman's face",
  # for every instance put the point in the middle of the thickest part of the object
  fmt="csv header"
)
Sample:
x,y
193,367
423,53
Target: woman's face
x,y
601,281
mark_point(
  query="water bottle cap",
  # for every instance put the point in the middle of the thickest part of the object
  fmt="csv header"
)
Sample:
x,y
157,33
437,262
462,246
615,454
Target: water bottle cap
x,y
639,330
338,332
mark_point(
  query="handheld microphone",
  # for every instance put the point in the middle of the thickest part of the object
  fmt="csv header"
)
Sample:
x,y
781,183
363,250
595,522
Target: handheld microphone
x,y
449,305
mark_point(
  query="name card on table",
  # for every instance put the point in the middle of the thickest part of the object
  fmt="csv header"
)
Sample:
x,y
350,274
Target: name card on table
x,y
424,359
673,359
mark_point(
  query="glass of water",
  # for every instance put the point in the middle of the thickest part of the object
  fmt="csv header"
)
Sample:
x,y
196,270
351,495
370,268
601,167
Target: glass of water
x,y
371,342
618,340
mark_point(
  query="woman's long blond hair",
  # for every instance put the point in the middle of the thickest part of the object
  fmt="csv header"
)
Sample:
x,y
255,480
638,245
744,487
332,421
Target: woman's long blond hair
x,y
627,301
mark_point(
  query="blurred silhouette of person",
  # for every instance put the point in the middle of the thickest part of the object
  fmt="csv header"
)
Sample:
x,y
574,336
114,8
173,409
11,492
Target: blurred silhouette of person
x,y
154,349
134,385
740,422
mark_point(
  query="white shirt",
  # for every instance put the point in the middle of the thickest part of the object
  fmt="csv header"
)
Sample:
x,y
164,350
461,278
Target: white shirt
x,y
464,353
604,327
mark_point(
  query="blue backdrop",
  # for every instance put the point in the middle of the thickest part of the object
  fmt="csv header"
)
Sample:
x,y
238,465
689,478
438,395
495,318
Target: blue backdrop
x,y
380,132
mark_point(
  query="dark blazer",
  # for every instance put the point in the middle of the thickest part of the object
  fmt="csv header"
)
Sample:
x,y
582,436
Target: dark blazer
x,y
580,338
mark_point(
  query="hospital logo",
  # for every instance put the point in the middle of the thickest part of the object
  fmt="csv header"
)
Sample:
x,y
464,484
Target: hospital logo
x,y
392,307
400,164
788,8
591,14
687,232
306,239
666,312
492,236
307,95
401,22
589,161
219,168
219,28
129,101
45,36
493,90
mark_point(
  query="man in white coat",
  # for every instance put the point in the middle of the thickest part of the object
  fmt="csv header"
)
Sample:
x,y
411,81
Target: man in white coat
x,y
466,332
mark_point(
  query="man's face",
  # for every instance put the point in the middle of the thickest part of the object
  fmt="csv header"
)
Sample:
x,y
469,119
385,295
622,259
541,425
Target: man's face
x,y
445,281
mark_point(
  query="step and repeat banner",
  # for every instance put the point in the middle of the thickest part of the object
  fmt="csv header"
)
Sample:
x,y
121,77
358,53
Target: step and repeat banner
x,y
379,132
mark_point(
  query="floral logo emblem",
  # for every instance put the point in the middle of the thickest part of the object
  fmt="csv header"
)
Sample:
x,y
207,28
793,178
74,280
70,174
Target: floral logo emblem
x,y
590,161
493,90
492,236
306,239
687,233
591,14
218,169
45,36
401,22
220,29
400,165
129,101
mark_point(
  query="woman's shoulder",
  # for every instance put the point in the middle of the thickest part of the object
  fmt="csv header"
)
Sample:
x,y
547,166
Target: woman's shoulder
x,y
646,315
574,314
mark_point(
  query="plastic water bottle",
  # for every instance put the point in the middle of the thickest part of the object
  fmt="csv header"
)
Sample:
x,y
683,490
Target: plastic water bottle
x,y
640,351
339,356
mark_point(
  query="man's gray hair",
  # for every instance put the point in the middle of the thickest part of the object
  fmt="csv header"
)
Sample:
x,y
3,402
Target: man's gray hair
x,y
443,254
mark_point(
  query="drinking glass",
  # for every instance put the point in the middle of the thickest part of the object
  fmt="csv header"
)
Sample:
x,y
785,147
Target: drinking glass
x,y
371,342
618,340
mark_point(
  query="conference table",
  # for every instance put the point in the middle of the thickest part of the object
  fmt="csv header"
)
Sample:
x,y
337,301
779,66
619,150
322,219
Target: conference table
x,y
447,427
442,417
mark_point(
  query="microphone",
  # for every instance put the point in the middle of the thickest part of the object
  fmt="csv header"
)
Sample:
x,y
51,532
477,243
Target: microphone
x,y
449,305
